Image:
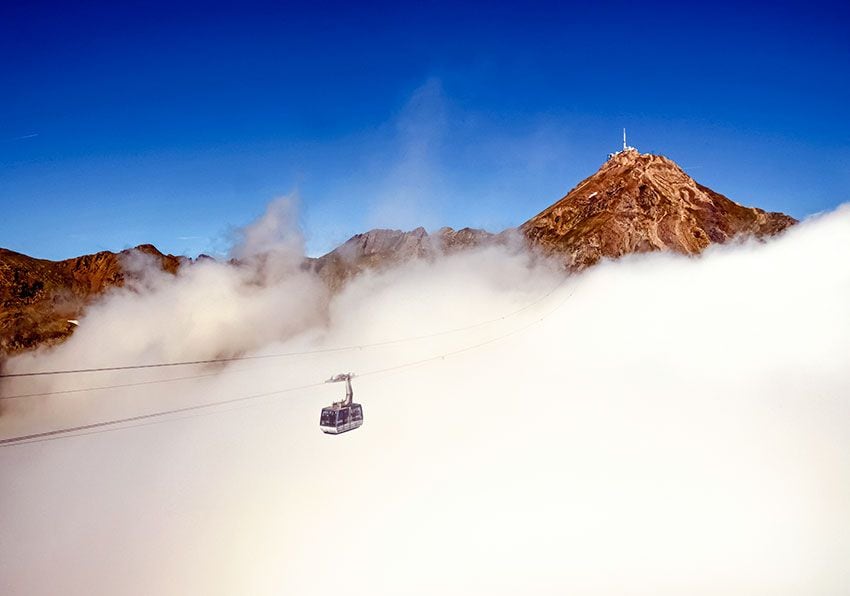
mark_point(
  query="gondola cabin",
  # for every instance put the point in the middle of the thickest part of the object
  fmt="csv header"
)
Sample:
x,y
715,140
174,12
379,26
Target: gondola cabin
x,y
344,415
339,419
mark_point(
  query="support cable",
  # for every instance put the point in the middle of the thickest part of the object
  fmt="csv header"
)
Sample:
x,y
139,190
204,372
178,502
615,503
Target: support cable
x,y
284,354
113,424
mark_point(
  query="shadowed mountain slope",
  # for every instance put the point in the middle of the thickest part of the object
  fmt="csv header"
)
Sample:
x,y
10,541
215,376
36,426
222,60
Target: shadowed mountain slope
x,y
38,297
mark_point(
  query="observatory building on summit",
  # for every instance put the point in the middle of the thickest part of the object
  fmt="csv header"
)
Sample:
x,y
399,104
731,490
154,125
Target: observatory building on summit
x,y
625,148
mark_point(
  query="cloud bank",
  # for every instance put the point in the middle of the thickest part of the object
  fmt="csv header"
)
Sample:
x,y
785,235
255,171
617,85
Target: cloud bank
x,y
659,424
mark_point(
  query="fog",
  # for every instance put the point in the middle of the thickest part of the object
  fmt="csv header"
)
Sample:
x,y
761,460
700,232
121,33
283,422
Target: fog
x,y
655,425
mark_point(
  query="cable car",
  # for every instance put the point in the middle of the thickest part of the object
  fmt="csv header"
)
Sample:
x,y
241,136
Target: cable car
x,y
341,416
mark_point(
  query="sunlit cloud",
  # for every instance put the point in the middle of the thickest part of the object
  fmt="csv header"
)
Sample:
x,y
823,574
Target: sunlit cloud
x,y
659,424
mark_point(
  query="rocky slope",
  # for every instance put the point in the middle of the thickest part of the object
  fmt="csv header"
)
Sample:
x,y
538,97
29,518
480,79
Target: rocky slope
x,y
635,203
639,202
379,249
39,297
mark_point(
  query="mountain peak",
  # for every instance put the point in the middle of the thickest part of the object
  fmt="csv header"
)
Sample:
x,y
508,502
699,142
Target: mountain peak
x,y
640,202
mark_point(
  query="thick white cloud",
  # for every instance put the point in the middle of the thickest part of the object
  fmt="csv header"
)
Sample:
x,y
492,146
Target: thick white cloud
x,y
672,425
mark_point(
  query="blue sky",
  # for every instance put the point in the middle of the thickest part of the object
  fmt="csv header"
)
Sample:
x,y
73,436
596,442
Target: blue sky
x,y
150,123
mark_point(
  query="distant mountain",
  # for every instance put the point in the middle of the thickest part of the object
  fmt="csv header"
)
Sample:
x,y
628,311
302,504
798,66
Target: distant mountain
x,y
636,202
378,249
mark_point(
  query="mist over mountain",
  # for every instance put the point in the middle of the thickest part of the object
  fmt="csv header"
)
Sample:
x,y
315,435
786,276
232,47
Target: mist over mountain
x,y
635,203
656,424
40,297
241,352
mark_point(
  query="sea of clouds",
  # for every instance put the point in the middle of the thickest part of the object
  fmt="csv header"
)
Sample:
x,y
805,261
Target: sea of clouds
x,y
655,425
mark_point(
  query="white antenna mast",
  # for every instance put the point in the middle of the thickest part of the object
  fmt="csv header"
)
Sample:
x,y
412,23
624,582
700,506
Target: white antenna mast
x,y
625,147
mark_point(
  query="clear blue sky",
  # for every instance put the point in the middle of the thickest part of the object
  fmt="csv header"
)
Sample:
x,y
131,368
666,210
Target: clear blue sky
x,y
138,123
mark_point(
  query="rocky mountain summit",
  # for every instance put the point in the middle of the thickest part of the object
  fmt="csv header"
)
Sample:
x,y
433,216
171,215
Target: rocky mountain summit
x,y
636,202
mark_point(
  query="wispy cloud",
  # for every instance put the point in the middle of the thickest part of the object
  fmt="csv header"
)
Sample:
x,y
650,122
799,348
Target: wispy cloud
x,y
22,137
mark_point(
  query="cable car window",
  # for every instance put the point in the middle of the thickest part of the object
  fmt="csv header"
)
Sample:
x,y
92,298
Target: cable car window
x,y
356,413
328,418
343,416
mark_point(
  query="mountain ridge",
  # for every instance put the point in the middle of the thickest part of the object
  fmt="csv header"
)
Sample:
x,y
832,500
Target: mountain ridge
x,y
636,202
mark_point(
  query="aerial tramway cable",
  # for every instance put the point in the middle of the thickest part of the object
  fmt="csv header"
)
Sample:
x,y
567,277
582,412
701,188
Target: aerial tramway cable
x,y
278,355
126,385
159,416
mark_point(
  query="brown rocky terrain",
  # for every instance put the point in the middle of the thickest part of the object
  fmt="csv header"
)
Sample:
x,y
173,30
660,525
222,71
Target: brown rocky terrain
x,y
377,249
634,203
639,202
38,297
